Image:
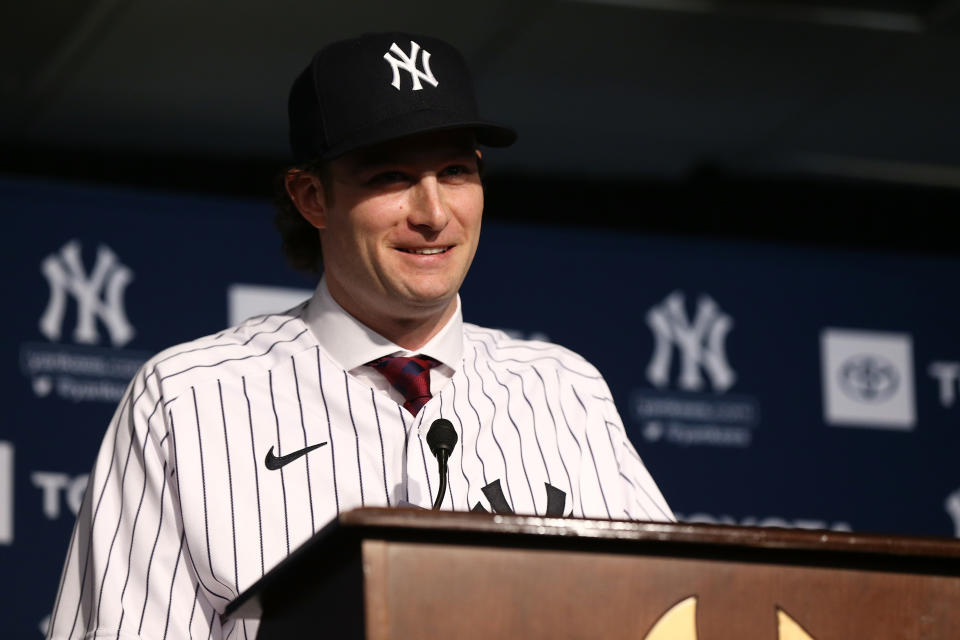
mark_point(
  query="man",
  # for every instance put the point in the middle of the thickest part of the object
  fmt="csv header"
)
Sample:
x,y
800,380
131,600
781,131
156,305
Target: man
x,y
230,451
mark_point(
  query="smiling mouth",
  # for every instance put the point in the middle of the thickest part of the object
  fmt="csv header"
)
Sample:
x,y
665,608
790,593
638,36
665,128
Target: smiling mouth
x,y
426,252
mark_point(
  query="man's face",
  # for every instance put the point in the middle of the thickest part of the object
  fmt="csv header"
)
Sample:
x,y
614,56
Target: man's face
x,y
401,226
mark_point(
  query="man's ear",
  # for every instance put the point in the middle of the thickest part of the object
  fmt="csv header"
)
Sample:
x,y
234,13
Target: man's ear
x,y
306,191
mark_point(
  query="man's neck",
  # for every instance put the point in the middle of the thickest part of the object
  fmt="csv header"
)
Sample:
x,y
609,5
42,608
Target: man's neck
x,y
410,331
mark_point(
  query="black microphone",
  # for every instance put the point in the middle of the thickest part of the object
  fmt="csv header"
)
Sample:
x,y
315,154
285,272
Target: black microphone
x,y
441,438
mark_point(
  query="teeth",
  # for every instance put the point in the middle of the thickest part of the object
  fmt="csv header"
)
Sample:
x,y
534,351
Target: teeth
x,y
426,252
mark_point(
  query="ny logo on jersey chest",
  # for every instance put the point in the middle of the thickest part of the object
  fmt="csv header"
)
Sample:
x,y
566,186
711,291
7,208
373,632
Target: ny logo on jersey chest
x,y
556,500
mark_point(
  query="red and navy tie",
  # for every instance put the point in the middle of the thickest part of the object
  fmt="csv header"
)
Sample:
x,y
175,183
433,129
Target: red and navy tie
x,y
409,376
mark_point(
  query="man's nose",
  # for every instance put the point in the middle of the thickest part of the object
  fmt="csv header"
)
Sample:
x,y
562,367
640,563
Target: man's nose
x,y
429,210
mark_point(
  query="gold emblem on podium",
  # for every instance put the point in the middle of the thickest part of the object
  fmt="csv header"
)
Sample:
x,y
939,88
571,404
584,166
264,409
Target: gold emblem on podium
x,y
680,623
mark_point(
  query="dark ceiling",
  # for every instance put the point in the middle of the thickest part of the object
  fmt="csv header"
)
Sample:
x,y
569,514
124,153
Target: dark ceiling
x,y
611,88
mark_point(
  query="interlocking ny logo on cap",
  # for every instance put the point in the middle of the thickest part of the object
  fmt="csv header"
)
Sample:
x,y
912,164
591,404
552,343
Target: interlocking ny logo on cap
x,y
409,64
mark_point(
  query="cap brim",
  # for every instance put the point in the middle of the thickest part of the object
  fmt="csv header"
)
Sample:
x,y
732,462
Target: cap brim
x,y
488,134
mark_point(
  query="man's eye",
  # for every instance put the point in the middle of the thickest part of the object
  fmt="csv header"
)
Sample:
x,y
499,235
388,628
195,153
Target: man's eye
x,y
456,170
388,177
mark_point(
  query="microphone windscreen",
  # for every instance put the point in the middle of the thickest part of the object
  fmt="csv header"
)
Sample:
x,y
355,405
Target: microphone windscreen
x,y
441,436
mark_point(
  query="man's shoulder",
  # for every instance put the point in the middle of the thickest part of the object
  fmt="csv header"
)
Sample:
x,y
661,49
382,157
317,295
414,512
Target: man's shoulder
x,y
502,349
255,345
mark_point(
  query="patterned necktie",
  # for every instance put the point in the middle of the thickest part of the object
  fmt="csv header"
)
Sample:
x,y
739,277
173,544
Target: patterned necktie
x,y
409,376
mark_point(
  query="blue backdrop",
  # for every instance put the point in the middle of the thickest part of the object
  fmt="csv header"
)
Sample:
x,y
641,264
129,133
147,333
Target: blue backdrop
x,y
761,384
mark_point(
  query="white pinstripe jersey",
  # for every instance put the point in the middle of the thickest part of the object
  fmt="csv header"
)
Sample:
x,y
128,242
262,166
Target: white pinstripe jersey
x,y
181,514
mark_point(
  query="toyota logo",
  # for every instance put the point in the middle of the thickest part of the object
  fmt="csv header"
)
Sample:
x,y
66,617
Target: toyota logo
x,y
869,378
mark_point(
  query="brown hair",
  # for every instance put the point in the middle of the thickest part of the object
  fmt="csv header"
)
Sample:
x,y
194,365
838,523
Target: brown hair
x,y
300,241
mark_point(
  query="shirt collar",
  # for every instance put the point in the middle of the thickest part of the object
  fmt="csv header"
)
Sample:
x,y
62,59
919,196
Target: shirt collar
x,y
351,343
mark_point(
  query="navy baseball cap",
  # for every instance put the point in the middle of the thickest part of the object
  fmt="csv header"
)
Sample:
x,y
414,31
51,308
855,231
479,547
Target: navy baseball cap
x,y
383,86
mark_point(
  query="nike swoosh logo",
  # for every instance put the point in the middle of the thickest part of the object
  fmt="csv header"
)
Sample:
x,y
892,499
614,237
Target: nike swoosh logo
x,y
273,462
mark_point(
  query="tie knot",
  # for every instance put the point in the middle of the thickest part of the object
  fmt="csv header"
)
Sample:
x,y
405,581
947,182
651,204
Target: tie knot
x,y
408,375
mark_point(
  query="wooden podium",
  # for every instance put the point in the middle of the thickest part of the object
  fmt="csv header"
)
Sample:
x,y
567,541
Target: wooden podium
x,y
398,573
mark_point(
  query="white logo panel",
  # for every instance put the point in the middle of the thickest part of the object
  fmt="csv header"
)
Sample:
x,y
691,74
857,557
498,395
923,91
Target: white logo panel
x,y
409,64
6,493
952,505
867,379
249,300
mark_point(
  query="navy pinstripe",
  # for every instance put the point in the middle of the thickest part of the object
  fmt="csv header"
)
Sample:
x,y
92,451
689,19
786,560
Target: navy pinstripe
x,y
463,435
353,423
256,471
283,484
303,427
233,514
326,409
553,420
173,580
493,431
523,463
383,455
